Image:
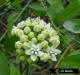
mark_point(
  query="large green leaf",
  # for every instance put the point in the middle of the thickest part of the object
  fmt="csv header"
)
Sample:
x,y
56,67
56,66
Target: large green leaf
x,y
72,25
37,6
73,59
70,11
55,9
14,70
11,21
3,65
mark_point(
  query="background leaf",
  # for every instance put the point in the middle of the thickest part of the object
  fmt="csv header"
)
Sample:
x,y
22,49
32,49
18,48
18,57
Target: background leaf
x,y
70,11
17,4
71,1
14,70
3,65
11,21
55,8
73,59
37,6
72,25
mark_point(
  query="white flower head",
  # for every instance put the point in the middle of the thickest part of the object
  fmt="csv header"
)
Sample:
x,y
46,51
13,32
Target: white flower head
x,y
37,39
34,52
53,53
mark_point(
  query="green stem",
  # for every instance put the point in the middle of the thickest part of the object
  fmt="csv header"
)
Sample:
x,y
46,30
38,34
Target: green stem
x,y
28,69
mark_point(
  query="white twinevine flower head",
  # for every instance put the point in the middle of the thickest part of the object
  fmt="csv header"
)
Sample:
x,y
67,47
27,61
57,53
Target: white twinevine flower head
x,y
37,40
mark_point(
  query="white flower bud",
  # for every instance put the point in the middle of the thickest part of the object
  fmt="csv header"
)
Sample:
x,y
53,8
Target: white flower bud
x,y
14,31
52,32
37,28
27,30
45,57
41,37
20,51
26,45
18,44
45,33
23,38
28,22
55,41
44,44
31,34
21,24
20,33
34,40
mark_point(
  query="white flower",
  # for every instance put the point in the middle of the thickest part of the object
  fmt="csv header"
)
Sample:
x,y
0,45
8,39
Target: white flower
x,y
34,52
53,53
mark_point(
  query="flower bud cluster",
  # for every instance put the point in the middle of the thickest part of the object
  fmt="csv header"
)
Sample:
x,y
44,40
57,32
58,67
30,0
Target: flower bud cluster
x,y
38,41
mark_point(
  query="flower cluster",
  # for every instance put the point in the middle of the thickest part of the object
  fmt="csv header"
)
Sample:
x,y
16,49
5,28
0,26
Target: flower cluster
x,y
38,41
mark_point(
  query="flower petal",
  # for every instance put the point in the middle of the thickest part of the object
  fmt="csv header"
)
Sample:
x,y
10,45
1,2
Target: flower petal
x,y
57,51
28,52
53,58
40,53
33,57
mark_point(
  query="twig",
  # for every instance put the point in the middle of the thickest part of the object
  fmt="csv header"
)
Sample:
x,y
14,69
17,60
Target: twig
x,y
3,36
64,54
23,10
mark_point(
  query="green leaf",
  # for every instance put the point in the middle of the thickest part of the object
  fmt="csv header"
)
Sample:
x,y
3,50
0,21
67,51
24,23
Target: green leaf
x,y
11,21
14,70
70,11
73,59
37,6
51,2
55,9
71,1
10,43
3,65
72,25
39,13
17,4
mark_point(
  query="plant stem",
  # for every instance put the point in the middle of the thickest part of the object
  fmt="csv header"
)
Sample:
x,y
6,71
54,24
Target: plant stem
x,y
64,54
28,69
